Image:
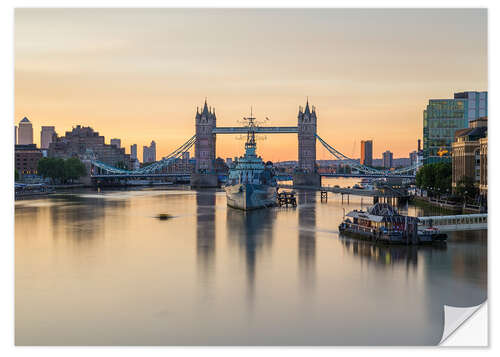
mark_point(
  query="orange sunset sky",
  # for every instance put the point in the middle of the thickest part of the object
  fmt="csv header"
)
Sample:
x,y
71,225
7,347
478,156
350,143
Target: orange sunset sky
x,y
139,74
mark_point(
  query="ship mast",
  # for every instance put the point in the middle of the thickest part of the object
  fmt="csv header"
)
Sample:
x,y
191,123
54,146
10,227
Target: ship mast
x,y
251,131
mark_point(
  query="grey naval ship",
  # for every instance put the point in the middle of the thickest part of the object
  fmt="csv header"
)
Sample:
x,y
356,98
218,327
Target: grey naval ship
x,y
251,183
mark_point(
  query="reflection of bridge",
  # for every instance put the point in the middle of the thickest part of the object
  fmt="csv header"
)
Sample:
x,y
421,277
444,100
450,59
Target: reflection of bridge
x,y
204,142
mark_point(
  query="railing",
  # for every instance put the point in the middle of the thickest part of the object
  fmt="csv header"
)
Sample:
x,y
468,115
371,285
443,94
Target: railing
x,y
456,222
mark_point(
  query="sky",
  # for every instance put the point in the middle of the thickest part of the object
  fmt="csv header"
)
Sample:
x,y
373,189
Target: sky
x,y
140,74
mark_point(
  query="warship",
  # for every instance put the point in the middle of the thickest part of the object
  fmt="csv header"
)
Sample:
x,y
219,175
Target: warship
x,y
251,183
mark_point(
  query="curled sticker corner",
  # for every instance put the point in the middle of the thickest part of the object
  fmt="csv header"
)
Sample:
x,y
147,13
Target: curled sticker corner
x,y
454,317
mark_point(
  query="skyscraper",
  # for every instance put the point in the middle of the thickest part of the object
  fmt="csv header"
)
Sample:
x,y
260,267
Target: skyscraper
x,y
152,148
149,153
413,157
46,136
115,142
366,152
25,132
443,117
387,159
133,151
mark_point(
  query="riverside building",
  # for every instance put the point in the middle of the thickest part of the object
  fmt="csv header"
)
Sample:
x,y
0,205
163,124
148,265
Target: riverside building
x,y
469,154
443,117
81,141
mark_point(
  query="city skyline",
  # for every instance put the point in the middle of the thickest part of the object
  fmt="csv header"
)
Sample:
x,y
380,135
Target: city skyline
x,y
139,74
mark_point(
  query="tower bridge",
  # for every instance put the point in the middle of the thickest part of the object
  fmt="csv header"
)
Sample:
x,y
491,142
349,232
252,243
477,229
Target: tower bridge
x,y
204,142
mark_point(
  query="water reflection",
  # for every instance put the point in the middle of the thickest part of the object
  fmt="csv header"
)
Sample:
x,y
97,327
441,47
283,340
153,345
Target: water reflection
x,y
82,218
252,232
384,255
307,238
205,233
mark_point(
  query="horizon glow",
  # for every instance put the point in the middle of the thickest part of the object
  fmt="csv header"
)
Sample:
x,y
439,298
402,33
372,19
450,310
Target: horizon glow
x,y
139,74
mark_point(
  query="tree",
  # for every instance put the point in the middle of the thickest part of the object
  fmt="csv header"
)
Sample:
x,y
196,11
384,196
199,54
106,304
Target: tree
x,y
16,175
61,170
74,169
466,189
435,178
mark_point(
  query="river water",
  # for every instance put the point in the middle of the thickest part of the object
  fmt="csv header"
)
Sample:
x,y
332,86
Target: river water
x,y
96,268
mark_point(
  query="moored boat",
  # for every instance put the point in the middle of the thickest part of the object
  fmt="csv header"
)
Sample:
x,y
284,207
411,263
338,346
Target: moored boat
x,y
381,223
251,183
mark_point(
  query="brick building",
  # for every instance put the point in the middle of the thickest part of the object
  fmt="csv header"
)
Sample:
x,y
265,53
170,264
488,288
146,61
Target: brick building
x,y
26,159
82,140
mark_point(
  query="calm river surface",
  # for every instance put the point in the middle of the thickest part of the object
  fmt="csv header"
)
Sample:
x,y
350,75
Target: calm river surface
x,y
97,269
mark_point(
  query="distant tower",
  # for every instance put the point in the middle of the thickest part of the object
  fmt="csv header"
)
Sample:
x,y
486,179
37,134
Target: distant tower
x,y
204,148
133,151
152,152
307,123
366,152
25,132
46,136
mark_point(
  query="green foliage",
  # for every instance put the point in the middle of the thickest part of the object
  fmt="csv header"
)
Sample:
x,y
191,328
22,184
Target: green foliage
x,y
16,175
466,189
435,178
74,169
60,170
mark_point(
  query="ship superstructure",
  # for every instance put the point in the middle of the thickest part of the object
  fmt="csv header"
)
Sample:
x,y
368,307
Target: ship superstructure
x,y
251,183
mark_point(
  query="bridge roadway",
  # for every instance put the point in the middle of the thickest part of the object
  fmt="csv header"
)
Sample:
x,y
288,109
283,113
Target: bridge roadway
x,y
258,130
350,191
133,175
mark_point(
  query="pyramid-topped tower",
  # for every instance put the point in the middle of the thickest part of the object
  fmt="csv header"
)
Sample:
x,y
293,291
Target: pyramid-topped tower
x,y
204,148
307,125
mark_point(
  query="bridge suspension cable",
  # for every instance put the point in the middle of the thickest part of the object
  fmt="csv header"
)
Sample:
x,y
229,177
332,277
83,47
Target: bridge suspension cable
x,y
369,170
156,166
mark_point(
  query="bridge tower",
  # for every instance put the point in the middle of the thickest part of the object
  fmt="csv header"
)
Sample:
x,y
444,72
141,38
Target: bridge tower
x,y
306,173
204,148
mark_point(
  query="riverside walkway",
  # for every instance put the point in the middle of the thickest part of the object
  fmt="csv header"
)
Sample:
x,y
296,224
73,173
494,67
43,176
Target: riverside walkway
x,y
460,222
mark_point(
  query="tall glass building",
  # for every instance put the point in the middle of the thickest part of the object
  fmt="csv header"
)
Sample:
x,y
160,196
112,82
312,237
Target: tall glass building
x,y
443,117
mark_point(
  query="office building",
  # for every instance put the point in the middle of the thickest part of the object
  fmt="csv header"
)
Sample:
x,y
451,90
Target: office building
x,y
366,152
133,151
413,157
149,153
387,159
483,181
25,132
443,117
229,161
46,136
466,153
115,142
15,134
